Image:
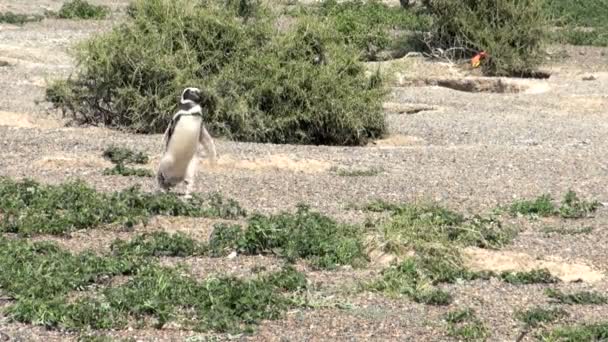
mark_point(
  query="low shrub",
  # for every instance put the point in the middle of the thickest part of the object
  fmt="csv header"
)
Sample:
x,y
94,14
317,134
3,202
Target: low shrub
x,y
27,207
82,9
303,86
303,235
18,18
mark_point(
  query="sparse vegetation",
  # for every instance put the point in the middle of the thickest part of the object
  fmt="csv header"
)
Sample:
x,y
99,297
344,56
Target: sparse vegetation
x,y
464,325
122,170
539,276
436,235
574,207
28,207
19,19
81,9
158,294
302,86
303,235
159,244
370,172
571,207
512,33
542,206
582,332
122,155
577,298
537,316
567,231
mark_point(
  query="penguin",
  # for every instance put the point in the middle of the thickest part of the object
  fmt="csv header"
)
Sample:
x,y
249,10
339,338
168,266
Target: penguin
x,y
181,141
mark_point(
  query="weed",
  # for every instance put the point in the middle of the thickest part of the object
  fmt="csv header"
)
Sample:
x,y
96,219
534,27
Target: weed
x,y
357,172
224,239
43,270
536,316
435,235
121,170
541,206
577,298
81,9
220,304
159,244
41,276
301,86
19,19
581,332
122,155
574,207
567,231
464,325
28,207
409,278
411,225
305,234
513,33
571,207
539,276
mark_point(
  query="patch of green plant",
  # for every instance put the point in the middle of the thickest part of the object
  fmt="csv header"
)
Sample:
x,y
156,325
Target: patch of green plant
x,y
575,333
81,9
19,19
304,234
224,239
537,316
121,170
159,244
122,155
40,277
573,207
538,276
577,298
541,206
413,225
357,172
464,325
43,270
367,24
512,33
409,278
301,86
567,231
28,207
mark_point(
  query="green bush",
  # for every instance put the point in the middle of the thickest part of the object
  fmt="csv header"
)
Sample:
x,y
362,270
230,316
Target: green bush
x,y
367,24
513,33
303,86
305,234
81,9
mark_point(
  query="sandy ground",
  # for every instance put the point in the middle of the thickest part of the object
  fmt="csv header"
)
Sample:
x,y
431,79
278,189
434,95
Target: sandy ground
x,y
469,151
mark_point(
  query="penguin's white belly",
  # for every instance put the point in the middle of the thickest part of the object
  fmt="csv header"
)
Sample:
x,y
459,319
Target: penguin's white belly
x,y
182,146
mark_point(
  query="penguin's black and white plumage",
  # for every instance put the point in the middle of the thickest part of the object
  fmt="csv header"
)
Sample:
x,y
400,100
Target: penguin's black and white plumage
x,y
181,141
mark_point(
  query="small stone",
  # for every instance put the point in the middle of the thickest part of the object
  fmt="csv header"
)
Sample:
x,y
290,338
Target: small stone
x,y
589,78
232,255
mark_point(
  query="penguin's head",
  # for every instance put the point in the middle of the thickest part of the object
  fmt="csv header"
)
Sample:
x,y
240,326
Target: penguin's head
x,y
191,95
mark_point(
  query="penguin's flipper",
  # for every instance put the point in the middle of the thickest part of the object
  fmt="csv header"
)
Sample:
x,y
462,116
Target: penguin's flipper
x,y
207,141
